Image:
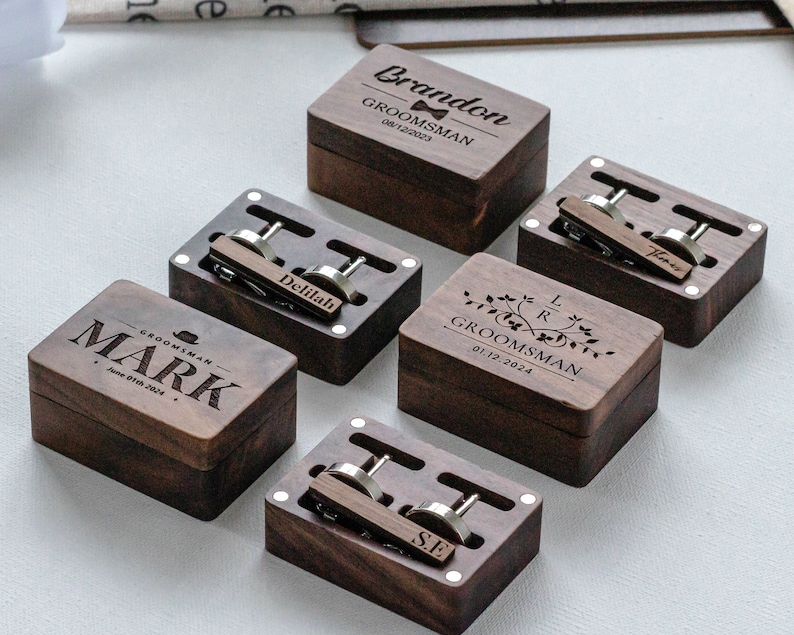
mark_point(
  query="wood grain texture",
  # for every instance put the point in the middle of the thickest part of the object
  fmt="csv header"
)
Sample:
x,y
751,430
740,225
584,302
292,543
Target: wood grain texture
x,y
521,437
112,388
544,24
426,137
118,361
510,532
392,290
379,521
203,494
438,219
738,252
531,344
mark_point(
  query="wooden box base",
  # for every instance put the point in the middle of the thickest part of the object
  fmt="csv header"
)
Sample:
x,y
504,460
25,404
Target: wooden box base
x,y
203,494
334,351
420,211
569,458
690,309
506,520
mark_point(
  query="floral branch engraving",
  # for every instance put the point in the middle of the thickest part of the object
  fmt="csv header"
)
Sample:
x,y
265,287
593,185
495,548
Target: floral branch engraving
x,y
510,312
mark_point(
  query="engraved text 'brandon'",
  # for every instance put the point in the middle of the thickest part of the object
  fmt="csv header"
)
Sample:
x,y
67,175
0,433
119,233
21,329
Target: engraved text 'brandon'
x,y
179,368
395,75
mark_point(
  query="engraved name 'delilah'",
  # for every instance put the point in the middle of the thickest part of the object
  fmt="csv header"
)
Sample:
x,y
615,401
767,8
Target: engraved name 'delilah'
x,y
395,75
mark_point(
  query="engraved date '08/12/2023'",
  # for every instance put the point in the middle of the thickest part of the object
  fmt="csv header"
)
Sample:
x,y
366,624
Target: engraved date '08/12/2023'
x,y
501,359
409,131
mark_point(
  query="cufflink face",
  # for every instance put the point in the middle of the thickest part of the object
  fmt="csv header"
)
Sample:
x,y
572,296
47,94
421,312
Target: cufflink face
x,y
336,281
443,520
358,478
327,293
677,258
258,243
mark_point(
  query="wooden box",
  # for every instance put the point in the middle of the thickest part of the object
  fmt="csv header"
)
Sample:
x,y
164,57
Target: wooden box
x,y
689,308
163,398
441,154
445,593
523,365
389,282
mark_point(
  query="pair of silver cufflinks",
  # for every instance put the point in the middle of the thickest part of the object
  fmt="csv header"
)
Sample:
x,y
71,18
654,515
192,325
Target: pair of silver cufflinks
x,y
441,519
334,281
682,244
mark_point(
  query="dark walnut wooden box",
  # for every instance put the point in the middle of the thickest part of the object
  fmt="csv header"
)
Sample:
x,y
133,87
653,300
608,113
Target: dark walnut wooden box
x,y
523,365
163,398
688,309
445,597
390,284
439,153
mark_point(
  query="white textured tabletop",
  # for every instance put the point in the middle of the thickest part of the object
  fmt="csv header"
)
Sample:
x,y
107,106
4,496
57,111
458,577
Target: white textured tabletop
x,y
116,149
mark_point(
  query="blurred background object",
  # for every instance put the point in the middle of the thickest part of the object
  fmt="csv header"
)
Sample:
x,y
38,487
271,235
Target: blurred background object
x,y
29,29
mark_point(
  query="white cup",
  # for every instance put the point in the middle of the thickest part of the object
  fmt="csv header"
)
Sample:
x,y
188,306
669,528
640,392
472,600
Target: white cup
x,y
29,28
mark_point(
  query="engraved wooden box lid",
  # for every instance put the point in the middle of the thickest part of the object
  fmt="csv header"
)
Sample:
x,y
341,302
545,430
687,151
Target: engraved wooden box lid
x,y
172,378
531,344
476,151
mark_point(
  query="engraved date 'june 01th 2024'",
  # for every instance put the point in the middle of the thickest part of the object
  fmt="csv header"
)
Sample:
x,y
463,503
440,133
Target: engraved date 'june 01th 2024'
x,y
135,380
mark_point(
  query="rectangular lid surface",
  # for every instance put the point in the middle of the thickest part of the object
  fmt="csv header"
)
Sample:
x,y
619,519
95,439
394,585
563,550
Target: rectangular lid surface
x,y
162,373
448,132
535,345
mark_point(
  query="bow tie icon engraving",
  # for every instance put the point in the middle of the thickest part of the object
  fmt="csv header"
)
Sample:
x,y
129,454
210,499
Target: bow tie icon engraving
x,y
438,113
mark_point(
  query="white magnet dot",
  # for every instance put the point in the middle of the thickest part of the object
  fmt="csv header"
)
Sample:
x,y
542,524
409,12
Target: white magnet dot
x,y
691,290
280,496
254,196
408,263
181,259
358,422
339,329
597,162
532,223
528,499
755,227
453,576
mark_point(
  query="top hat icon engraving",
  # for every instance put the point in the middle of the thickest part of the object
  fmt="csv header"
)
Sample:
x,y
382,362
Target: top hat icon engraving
x,y
187,337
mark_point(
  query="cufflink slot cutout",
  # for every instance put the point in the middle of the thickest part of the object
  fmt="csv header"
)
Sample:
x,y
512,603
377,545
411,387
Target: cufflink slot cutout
x,y
619,184
487,496
379,448
713,223
352,253
271,218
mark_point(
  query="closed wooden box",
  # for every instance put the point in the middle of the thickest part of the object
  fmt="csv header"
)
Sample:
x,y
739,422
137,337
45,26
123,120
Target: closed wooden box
x,y
533,369
163,398
444,596
439,153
